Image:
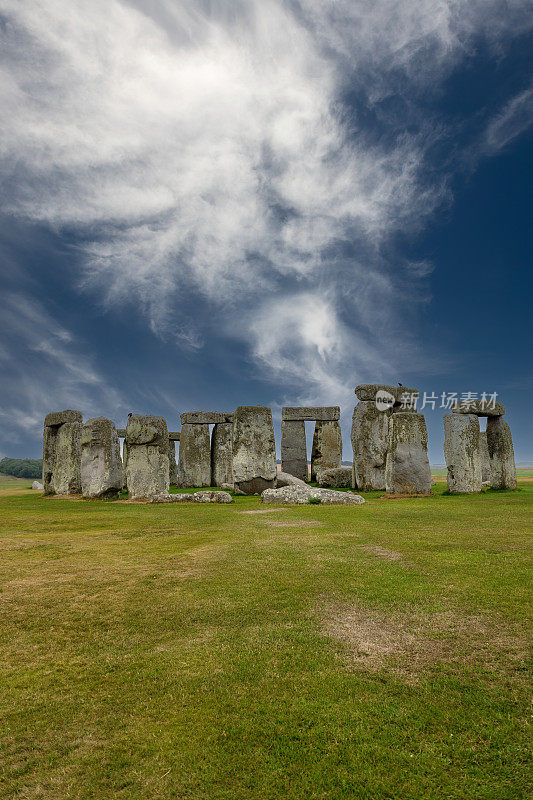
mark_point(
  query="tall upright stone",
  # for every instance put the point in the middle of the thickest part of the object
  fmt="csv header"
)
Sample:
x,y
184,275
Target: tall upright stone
x,y
124,460
222,453
462,453
501,454
370,442
407,469
254,449
172,465
294,449
101,465
484,456
62,452
327,447
147,465
194,461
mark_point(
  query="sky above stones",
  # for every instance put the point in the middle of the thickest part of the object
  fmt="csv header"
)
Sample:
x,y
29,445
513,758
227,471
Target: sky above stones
x,y
207,204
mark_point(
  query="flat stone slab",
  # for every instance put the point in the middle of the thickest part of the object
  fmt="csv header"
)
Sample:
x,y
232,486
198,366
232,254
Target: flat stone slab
x,y
197,497
206,417
300,495
480,409
310,413
286,479
368,391
174,436
55,418
335,477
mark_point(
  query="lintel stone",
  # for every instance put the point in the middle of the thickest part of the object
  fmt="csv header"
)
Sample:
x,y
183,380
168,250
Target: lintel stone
x,y
206,417
368,391
56,418
310,413
174,436
480,409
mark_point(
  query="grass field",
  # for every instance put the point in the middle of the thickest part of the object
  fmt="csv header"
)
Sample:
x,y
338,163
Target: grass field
x,y
200,651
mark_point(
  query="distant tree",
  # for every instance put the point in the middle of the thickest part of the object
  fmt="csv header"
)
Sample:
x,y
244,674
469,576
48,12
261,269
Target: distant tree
x,y
22,467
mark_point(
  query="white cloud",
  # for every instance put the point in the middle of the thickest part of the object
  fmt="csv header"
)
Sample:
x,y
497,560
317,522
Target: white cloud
x,y
205,147
513,120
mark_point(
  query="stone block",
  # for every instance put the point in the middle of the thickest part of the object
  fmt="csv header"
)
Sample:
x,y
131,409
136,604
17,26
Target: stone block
x,y
205,417
294,449
370,442
368,391
147,467
480,409
327,447
67,466
174,436
407,468
335,478
172,465
501,454
484,456
194,461
254,449
310,413
56,418
102,474
462,454
222,453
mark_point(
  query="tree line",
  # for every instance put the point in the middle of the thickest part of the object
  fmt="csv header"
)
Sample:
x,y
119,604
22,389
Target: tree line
x,y
22,467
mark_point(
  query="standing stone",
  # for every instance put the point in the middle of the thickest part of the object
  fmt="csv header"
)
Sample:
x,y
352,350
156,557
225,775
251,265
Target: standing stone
x,y
147,465
62,452
501,454
101,466
124,460
327,447
194,462
407,468
172,466
254,449
484,456
370,442
294,449
462,454
222,454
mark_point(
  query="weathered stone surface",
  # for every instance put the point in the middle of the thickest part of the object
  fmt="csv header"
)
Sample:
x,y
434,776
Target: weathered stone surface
x,y
147,466
174,436
206,417
370,442
407,468
310,413
368,391
56,418
222,453
294,448
480,409
67,467
484,456
124,460
227,487
172,466
173,498
327,447
212,497
121,433
254,449
194,462
37,486
101,465
501,454
49,458
300,495
336,478
285,479
461,451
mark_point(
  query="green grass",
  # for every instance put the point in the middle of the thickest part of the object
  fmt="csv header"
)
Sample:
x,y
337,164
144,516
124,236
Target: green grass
x,y
192,651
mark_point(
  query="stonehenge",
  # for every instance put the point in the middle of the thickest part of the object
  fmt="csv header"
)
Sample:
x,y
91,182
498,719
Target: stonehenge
x,y
254,449
462,453
147,468
407,469
236,452
102,474
62,452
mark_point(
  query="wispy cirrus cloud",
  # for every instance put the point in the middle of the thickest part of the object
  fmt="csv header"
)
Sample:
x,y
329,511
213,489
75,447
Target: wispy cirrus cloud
x,y
210,149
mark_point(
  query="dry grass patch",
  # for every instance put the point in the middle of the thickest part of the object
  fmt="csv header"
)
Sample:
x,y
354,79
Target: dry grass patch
x,y
408,644
262,511
383,552
293,523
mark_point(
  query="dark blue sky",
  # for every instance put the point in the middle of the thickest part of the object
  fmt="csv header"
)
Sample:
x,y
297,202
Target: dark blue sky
x,y
264,203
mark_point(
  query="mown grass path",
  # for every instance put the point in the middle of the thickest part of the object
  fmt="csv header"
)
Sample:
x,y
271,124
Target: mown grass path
x,y
196,651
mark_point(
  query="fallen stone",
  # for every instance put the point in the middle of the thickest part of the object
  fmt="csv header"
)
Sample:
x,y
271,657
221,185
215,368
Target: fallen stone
x,y
222,453
227,487
147,467
194,462
407,468
173,498
285,479
501,454
327,447
102,474
37,486
300,495
370,442
212,497
336,477
480,409
294,448
254,449
206,417
461,451
310,413
56,418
